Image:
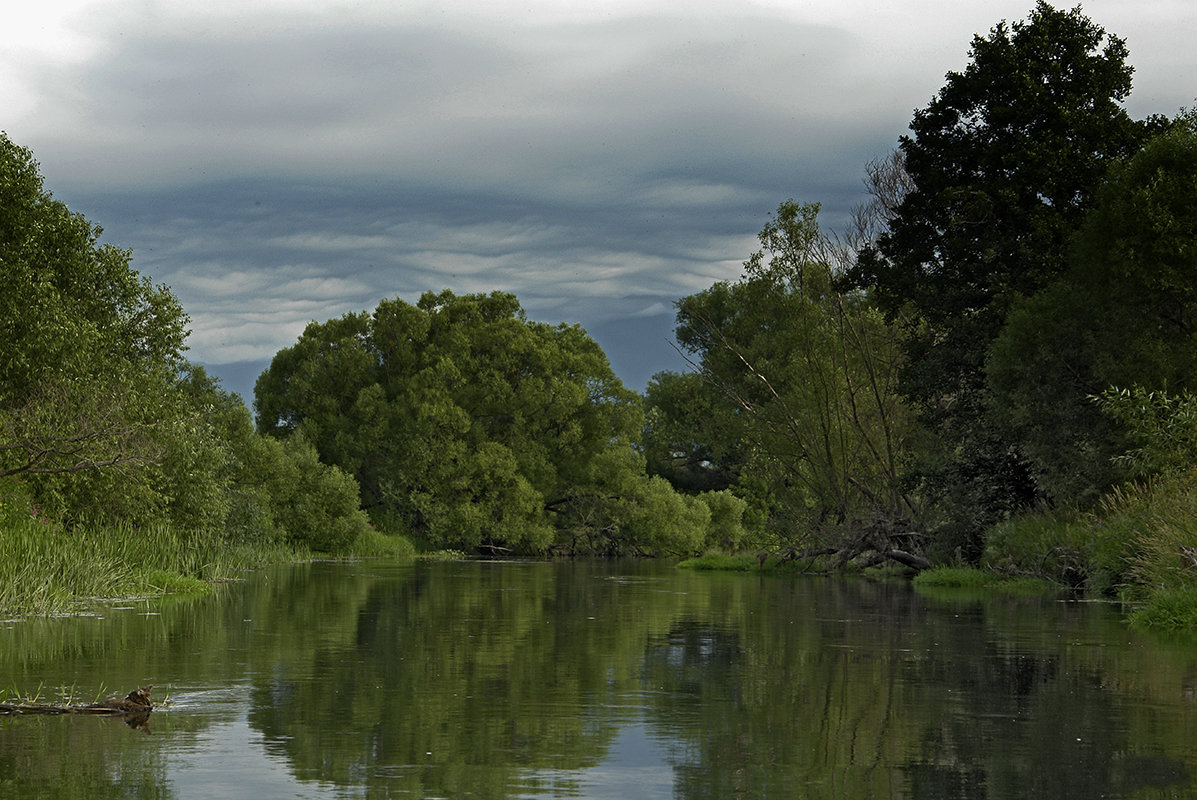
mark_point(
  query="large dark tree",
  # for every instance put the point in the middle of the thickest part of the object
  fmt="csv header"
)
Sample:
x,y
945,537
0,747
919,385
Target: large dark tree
x,y
1004,162
1124,315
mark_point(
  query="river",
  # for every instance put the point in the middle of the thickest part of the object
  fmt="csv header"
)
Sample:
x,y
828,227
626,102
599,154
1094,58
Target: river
x,y
599,680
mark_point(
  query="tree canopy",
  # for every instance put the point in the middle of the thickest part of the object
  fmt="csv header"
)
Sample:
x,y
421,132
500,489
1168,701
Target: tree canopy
x,y
1124,315
1004,163
472,426
802,378
103,421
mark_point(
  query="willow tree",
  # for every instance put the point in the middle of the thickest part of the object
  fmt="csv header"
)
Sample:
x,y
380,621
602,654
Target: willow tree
x,y
469,425
808,375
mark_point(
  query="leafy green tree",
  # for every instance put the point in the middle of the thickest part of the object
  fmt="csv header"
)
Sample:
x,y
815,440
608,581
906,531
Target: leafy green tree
x,y
1124,315
469,424
689,438
809,374
1004,162
273,491
90,416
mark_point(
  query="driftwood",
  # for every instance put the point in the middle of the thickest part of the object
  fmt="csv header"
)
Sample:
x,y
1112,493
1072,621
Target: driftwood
x,y
134,708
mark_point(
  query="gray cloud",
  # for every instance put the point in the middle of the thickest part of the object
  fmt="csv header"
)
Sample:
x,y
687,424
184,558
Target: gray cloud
x,y
281,167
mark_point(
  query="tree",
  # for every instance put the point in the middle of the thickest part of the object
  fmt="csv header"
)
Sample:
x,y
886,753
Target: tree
x,y
809,374
689,438
89,411
467,423
1123,315
1004,162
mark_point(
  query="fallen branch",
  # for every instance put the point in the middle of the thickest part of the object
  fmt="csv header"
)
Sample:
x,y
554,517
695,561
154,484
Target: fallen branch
x,y
134,707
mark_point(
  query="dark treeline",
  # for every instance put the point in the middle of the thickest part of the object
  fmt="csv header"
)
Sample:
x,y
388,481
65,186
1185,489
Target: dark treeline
x,y
974,372
994,364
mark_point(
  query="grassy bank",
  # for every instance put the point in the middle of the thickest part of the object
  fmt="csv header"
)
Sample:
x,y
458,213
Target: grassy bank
x,y
46,568
1139,545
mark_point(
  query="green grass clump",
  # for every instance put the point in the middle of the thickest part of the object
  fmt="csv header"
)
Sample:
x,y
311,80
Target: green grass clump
x,y
47,567
373,543
741,562
956,577
1168,609
161,581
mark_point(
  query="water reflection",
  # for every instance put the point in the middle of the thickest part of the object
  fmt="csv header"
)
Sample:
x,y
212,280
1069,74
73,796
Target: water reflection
x,y
605,680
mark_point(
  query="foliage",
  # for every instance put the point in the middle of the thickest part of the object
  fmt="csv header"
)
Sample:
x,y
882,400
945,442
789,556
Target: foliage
x,y
124,469
1159,524
1004,162
713,560
803,380
726,528
688,437
271,490
1140,539
89,413
471,426
1059,546
1161,427
1173,609
372,543
1121,316
45,566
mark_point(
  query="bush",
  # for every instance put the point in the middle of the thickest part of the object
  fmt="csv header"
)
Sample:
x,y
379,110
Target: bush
x,y
1169,609
726,527
372,543
1059,546
315,504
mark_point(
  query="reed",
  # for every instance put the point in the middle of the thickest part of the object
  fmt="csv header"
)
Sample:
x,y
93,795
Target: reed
x,y
46,567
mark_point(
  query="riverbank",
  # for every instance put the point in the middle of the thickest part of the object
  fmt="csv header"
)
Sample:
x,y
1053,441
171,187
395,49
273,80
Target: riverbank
x,y
47,568
1137,545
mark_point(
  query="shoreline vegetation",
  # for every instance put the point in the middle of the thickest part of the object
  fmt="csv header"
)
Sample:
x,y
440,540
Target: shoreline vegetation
x,y
986,379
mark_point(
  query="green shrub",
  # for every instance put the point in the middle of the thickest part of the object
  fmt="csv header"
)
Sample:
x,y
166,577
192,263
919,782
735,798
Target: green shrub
x,y
742,562
1168,609
372,543
1078,550
1161,524
726,527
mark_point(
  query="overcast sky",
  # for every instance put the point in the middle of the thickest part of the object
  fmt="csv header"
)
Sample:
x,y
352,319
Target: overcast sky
x,y
282,161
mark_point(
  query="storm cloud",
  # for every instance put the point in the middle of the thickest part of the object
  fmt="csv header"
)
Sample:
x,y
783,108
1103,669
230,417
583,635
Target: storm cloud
x,y
300,160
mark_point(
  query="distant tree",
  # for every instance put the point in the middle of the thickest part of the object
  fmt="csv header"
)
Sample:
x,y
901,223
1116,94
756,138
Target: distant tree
x,y
1004,162
689,437
272,491
469,424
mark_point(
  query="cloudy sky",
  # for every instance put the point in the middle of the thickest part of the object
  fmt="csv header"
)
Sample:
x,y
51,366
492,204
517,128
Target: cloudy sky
x,y
281,161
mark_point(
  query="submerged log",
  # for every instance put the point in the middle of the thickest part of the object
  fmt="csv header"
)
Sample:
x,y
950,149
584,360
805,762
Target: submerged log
x,y
134,708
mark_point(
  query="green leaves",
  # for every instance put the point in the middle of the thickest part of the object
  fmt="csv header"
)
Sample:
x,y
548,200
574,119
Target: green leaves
x,y
459,417
1123,314
795,399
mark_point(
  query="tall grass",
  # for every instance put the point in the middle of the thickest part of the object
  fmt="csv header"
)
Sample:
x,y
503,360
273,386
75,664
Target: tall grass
x,y
46,567
1058,546
1139,543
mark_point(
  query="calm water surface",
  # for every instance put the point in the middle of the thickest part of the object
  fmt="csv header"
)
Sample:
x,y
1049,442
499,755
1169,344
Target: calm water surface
x,y
609,680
